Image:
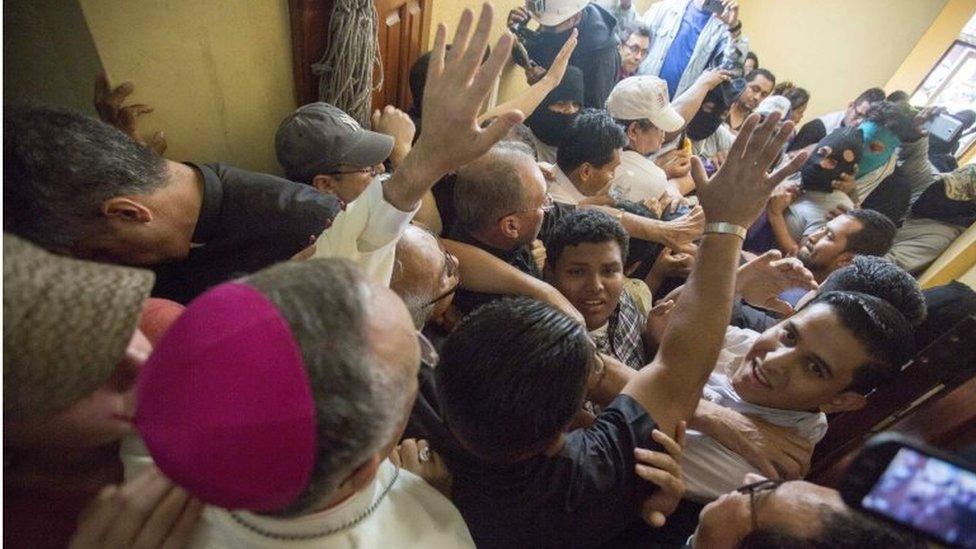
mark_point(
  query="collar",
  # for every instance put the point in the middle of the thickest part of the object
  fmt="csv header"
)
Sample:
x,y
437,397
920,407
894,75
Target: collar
x,y
210,204
563,189
350,513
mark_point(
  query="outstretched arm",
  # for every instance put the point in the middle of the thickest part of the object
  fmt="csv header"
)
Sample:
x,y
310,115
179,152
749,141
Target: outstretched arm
x,y
670,387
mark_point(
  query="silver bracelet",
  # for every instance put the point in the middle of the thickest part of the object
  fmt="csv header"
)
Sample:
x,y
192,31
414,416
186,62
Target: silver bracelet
x,y
726,228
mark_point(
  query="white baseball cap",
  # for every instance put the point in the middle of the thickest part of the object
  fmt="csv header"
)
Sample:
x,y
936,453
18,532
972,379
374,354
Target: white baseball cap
x,y
644,96
775,103
553,12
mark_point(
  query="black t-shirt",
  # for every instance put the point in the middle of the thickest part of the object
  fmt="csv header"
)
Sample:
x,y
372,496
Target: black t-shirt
x,y
520,258
584,496
248,221
934,204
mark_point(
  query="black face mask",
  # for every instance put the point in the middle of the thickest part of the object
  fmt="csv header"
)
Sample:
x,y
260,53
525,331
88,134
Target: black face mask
x,y
842,149
704,124
551,127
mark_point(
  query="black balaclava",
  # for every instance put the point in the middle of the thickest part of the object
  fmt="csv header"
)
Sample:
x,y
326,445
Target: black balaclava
x,y
551,127
704,124
843,146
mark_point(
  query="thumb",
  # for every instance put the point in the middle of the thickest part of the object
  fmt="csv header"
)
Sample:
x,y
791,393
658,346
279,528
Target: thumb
x,y
772,255
698,172
777,305
375,119
500,127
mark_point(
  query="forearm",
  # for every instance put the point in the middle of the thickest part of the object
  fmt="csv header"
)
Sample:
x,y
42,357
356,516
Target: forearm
x,y
669,388
781,233
415,175
688,103
399,154
526,101
428,214
482,272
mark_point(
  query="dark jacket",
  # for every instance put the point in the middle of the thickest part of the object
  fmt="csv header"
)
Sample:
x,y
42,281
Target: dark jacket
x,y
596,54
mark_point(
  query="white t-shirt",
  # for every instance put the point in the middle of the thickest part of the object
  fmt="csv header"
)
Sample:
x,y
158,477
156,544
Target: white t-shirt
x,y
562,189
711,469
366,233
720,141
638,178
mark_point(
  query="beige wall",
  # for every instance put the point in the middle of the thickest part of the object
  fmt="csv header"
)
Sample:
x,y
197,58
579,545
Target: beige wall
x,y
929,49
836,48
48,55
218,73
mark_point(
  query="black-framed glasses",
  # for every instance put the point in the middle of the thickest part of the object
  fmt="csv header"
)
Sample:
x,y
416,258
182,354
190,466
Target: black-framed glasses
x,y
448,292
547,206
637,50
754,490
371,170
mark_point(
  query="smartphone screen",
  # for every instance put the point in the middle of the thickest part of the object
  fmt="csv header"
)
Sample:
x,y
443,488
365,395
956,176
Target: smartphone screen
x,y
944,127
927,494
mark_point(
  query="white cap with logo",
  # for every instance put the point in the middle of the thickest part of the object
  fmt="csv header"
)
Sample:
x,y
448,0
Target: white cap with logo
x,y
553,12
645,96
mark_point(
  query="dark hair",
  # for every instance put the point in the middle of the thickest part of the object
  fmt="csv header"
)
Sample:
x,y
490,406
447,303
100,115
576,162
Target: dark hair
x,y
897,95
883,331
876,235
871,95
752,55
585,226
507,401
592,138
417,80
796,95
839,530
60,166
896,116
634,28
643,124
880,278
760,72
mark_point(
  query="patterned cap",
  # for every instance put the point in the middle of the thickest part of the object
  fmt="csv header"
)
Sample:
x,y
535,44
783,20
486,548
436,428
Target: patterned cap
x,y
67,323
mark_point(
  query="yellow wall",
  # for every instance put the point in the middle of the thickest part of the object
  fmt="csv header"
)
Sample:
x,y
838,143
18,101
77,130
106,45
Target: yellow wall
x,y
932,45
836,48
48,55
218,73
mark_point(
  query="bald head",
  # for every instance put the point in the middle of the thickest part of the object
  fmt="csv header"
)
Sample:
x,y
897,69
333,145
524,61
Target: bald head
x,y
502,181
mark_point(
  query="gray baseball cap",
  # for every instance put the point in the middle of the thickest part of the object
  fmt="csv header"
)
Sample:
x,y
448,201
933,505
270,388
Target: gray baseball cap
x,y
318,137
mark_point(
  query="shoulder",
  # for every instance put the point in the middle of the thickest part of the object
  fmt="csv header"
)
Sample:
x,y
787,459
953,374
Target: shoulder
x,y
419,506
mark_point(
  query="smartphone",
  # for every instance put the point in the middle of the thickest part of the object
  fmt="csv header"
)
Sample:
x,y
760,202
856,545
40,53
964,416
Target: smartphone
x,y
944,126
914,487
714,6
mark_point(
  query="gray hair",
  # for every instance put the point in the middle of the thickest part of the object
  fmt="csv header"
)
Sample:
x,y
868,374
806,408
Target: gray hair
x,y
408,284
60,166
491,187
359,401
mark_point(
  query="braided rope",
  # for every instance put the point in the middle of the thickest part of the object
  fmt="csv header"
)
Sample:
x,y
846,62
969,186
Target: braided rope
x,y
346,69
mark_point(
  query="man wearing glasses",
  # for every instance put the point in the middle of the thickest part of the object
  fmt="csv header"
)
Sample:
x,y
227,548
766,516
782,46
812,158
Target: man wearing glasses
x,y
633,50
772,513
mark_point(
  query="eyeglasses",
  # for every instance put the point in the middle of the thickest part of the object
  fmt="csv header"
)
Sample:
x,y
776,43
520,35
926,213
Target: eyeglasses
x,y
428,353
547,205
637,50
444,295
765,485
372,171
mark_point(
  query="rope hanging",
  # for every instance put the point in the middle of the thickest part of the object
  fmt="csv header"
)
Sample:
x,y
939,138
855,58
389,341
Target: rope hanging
x,y
346,69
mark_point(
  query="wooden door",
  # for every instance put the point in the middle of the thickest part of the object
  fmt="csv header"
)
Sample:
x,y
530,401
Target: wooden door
x,y
403,28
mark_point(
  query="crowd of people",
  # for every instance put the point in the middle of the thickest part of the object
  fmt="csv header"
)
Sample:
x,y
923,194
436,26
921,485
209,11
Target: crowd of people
x,y
615,310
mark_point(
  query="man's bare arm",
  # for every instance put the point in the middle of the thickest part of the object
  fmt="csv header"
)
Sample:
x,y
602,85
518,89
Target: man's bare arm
x,y
670,387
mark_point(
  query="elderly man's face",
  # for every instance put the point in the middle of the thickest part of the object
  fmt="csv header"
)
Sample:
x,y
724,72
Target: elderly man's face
x,y
426,269
633,52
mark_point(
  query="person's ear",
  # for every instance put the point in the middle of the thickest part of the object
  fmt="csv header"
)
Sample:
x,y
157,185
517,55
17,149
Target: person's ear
x,y
509,226
633,132
848,401
585,171
363,475
325,183
126,209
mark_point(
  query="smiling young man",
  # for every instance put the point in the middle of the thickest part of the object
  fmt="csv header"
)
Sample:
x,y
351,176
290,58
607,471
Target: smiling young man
x,y
824,359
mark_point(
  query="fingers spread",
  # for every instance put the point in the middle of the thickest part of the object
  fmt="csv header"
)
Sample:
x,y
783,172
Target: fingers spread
x,y
788,169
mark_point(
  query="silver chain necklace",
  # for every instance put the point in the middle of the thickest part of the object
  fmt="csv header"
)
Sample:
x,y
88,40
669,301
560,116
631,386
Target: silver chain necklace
x,y
304,537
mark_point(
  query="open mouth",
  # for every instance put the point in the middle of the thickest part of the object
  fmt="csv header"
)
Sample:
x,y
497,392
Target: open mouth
x,y
758,375
593,303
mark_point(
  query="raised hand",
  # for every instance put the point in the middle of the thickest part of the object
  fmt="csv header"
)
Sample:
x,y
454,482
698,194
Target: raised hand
x,y
730,16
739,190
762,280
109,104
397,124
417,457
457,85
516,16
685,229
